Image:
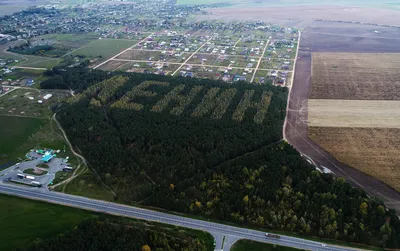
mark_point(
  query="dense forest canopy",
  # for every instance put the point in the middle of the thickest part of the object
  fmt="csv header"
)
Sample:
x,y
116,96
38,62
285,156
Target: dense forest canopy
x,y
120,235
213,149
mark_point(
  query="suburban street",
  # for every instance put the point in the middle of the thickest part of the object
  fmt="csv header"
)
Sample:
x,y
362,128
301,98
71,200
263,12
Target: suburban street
x,y
217,230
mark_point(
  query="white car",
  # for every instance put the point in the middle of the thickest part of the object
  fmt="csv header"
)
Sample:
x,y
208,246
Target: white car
x,y
322,244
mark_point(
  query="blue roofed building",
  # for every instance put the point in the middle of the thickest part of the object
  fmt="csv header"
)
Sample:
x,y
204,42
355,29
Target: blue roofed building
x,y
47,158
29,82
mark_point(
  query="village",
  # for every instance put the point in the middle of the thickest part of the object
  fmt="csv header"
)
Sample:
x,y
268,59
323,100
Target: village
x,y
167,42
257,56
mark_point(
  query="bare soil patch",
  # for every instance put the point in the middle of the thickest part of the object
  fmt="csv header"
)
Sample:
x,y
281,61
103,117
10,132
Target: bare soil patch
x,y
354,113
371,150
355,76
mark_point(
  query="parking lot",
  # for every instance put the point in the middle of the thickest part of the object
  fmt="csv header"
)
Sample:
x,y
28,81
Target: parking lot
x,y
33,172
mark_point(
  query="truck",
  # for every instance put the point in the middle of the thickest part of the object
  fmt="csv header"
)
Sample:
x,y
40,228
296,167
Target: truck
x,y
273,236
29,177
21,176
68,169
36,184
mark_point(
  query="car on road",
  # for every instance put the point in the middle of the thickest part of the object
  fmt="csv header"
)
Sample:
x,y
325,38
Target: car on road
x,y
273,236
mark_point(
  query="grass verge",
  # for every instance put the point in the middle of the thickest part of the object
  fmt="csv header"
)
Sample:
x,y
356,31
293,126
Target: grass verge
x,y
25,221
246,245
61,176
86,184
15,137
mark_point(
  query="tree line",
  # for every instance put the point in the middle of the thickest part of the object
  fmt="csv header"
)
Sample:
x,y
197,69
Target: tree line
x,y
120,235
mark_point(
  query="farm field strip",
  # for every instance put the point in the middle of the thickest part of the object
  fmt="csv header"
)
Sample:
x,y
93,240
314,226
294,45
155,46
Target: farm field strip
x,y
374,151
356,76
122,51
354,113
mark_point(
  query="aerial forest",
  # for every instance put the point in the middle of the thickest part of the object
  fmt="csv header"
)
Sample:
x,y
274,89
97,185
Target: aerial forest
x,y
214,150
122,234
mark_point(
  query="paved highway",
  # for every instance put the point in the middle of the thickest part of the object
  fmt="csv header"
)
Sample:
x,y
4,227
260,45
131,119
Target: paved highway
x,y
139,213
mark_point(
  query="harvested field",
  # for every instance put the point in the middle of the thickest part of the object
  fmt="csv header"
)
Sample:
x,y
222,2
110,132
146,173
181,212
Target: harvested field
x,y
371,150
351,38
355,76
354,113
290,15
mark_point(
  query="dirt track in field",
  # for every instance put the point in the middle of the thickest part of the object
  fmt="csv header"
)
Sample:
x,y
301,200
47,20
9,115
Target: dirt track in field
x,y
335,38
353,113
372,150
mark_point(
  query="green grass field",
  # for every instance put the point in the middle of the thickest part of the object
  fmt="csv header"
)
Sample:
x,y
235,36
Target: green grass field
x,y
24,102
77,39
104,47
65,44
39,62
87,185
27,60
14,135
246,245
22,134
24,221
61,176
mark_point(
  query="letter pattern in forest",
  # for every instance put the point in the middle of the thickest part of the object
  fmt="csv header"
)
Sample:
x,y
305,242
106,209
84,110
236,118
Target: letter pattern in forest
x,y
137,91
246,102
217,104
175,95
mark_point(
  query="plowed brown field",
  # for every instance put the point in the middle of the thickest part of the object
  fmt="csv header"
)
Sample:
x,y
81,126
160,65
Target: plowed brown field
x,y
355,76
371,150
353,112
